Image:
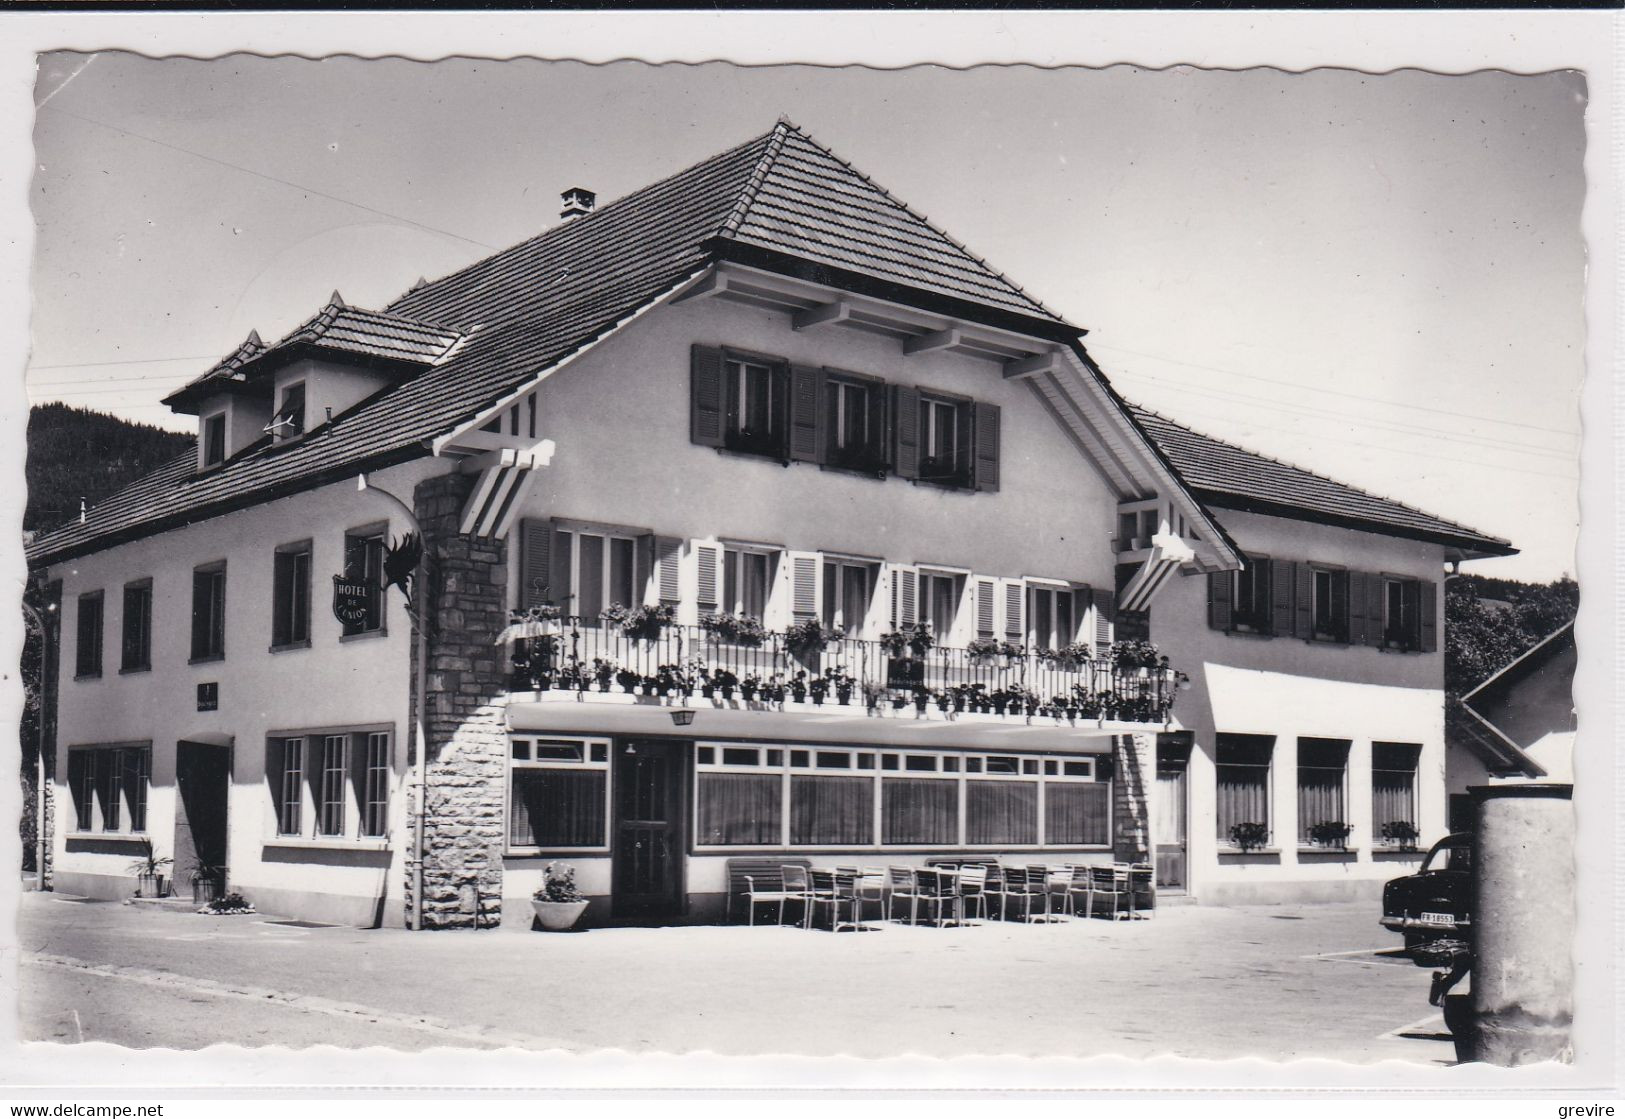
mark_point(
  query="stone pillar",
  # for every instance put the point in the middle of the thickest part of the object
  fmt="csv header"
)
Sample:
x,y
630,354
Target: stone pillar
x,y
1133,757
466,725
1523,928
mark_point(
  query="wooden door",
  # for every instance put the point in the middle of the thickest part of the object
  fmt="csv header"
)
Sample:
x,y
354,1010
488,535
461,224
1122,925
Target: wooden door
x,y
203,780
650,779
1172,810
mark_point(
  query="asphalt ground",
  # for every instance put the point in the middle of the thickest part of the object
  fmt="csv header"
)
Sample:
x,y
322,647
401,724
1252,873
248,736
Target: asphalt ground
x,y
1276,982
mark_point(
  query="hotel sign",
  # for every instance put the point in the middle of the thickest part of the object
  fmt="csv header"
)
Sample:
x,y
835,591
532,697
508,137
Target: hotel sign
x,y
353,599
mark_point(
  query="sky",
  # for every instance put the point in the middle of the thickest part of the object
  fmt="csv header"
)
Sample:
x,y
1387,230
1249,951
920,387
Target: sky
x,y
1377,277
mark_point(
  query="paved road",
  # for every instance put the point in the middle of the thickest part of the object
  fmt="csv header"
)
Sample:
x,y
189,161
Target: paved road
x,y
1194,982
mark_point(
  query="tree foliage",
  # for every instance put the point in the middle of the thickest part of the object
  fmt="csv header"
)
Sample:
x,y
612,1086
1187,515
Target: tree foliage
x,y
1489,623
76,453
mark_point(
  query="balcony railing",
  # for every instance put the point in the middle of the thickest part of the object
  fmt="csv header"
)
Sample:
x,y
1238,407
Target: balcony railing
x,y
1130,683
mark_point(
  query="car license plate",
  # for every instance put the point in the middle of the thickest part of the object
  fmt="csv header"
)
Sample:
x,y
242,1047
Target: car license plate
x,y
1438,918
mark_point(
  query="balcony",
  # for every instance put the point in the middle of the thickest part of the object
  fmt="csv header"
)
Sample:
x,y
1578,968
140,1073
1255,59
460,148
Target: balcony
x,y
674,664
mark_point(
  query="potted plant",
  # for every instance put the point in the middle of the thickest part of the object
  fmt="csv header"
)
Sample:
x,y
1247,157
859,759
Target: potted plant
x,y
151,882
603,671
558,903
818,688
843,682
1401,834
206,884
232,904
737,629
628,680
645,623
725,682
1329,833
1249,836
798,687
749,686
982,649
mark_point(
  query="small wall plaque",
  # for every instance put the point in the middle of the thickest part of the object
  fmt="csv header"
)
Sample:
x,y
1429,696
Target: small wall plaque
x,y
208,696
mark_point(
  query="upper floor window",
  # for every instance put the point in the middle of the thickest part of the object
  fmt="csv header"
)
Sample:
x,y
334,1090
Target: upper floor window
x,y
848,591
289,422
136,647
364,562
944,447
214,439
1330,590
290,600
939,598
602,572
747,579
1052,620
1401,613
88,646
1251,597
209,611
755,394
855,422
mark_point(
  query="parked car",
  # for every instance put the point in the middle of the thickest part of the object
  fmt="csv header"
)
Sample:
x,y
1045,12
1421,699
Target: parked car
x,y
1433,908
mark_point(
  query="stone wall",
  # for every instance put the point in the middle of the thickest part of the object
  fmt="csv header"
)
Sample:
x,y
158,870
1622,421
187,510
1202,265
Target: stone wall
x,y
1134,762
466,688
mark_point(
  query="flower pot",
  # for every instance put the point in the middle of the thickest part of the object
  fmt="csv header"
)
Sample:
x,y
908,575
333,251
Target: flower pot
x,y
150,886
557,916
203,890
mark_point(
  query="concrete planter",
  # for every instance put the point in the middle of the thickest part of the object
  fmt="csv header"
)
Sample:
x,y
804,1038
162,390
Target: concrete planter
x,y
557,916
151,886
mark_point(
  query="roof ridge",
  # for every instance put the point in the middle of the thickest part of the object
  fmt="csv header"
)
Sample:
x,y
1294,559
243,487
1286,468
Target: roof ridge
x,y
1312,473
927,222
758,175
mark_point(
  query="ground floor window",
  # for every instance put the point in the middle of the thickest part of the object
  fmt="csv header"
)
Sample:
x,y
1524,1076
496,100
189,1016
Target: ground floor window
x,y
1242,793
331,783
1322,769
558,793
1393,792
795,796
108,785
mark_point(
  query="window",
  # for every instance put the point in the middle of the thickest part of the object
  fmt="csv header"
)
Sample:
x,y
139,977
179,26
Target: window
x,y
1242,775
831,810
88,647
1401,614
848,589
598,571
1330,604
737,807
746,579
1322,766
755,399
855,421
214,440
557,793
940,596
289,422
1393,792
1251,609
290,604
136,647
338,779
108,785
920,810
209,612
364,562
1051,620
944,446
1000,812
1077,806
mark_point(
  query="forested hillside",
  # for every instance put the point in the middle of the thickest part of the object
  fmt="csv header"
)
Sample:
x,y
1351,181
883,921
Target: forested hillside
x,y
75,453
1488,622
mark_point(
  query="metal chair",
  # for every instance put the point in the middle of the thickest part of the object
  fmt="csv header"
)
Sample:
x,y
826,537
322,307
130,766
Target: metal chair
x,y
1142,887
869,886
832,888
791,886
971,887
901,885
1015,885
1109,882
1077,886
938,888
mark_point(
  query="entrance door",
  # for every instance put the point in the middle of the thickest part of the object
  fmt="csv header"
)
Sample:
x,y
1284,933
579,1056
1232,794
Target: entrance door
x,y
649,800
1172,808
203,779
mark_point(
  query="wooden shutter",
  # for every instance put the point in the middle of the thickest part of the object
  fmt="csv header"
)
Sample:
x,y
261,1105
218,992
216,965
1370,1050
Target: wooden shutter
x,y
535,566
1282,619
806,413
1428,595
1359,617
559,589
705,390
1220,585
1303,600
985,441
1105,614
1014,592
905,417
706,557
905,595
1374,587
803,586
984,607
668,569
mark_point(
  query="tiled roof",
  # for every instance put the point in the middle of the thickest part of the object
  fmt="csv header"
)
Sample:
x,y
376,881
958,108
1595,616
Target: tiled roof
x,y
518,312
1224,474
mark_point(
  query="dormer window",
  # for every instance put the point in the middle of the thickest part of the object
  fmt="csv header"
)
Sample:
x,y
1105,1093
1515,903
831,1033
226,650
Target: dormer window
x,y
289,422
214,440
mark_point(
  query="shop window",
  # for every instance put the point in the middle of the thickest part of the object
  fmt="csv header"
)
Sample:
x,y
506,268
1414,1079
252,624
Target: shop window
x,y
1077,813
1393,792
557,794
1001,812
109,787
919,810
831,810
330,784
1242,776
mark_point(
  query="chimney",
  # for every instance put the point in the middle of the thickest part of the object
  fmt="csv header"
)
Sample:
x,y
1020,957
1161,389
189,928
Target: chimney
x,y
577,201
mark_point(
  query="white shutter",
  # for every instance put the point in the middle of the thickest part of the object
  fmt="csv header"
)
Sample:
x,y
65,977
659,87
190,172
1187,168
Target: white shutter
x,y
905,595
1012,615
805,585
708,576
986,592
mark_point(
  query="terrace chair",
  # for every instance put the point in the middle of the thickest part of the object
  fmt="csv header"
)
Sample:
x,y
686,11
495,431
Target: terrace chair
x,y
1077,886
937,888
1142,890
1051,883
832,888
1015,885
901,886
791,885
869,886
1109,882
972,890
